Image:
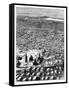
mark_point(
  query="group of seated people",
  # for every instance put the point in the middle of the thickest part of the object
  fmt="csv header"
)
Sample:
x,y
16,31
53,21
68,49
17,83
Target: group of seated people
x,y
35,61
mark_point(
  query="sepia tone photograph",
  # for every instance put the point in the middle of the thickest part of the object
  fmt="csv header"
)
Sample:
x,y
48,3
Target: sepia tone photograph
x,y
40,44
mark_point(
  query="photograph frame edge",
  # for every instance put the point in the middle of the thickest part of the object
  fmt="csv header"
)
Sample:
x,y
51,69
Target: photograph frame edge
x,y
11,44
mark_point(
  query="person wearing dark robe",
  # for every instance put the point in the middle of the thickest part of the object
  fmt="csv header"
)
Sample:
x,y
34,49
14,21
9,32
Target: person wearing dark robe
x,y
26,58
41,60
31,58
38,59
35,62
18,64
18,57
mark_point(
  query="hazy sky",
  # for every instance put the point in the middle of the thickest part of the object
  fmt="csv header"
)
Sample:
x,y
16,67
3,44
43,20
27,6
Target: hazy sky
x,y
47,11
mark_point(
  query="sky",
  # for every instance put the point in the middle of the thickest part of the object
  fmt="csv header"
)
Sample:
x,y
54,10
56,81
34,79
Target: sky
x,y
39,11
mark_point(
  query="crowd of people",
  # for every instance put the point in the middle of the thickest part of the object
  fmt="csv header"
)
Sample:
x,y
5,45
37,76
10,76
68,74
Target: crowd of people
x,y
50,59
40,73
35,61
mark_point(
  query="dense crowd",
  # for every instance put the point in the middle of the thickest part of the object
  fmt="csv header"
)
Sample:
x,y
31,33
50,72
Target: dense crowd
x,y
42,69
47,36
40,73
